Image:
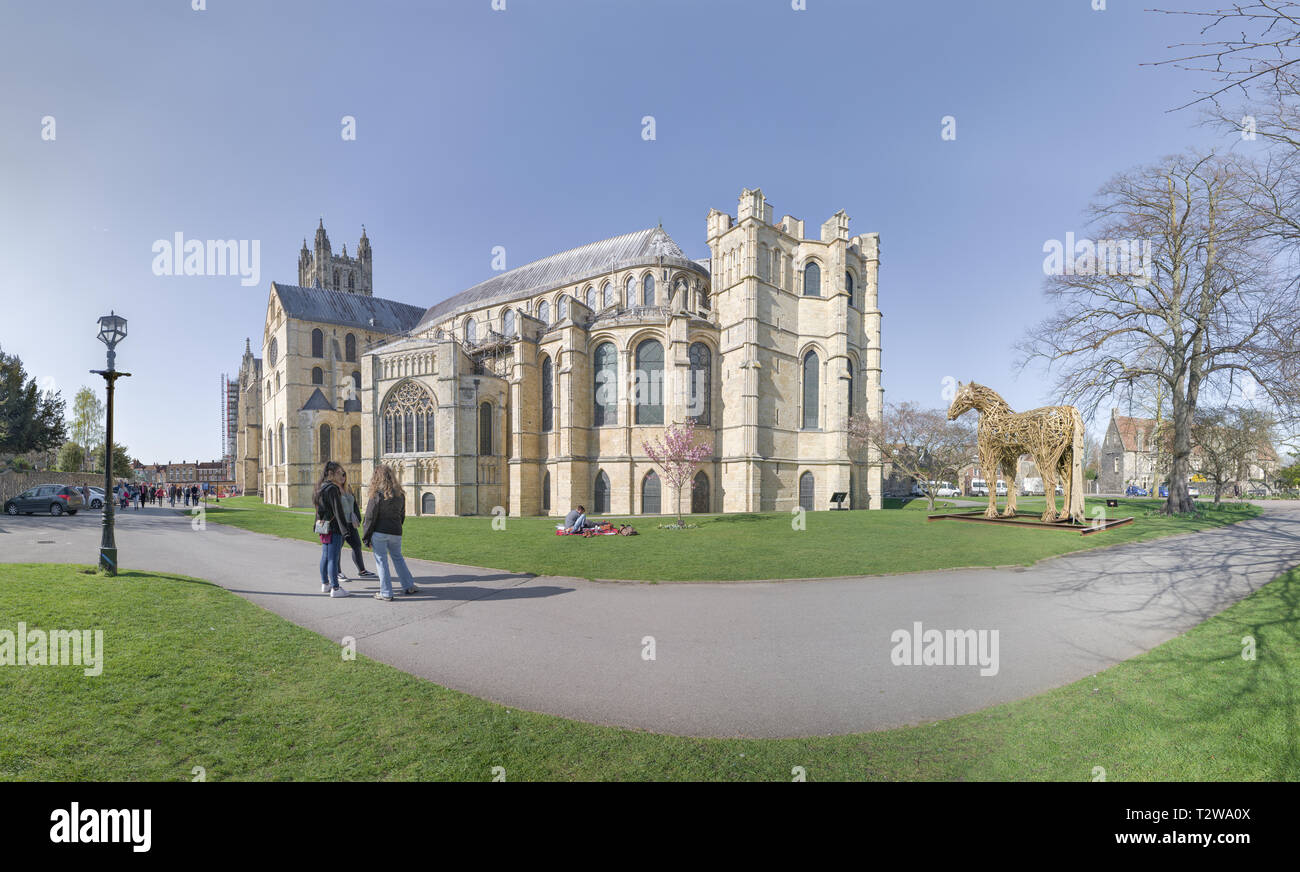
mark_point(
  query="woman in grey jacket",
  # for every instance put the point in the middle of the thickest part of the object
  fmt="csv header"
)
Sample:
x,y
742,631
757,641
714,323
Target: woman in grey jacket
x,y
385,514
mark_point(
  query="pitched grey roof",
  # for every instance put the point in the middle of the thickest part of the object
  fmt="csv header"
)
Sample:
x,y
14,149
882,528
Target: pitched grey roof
x,y
317,403
352,310
567,267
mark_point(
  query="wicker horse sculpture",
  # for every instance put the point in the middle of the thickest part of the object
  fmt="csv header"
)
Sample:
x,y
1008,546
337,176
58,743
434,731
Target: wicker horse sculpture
x,y
1052,435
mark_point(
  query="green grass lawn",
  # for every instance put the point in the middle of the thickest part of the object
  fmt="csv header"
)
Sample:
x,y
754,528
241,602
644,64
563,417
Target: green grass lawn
x,y
747,546
195,676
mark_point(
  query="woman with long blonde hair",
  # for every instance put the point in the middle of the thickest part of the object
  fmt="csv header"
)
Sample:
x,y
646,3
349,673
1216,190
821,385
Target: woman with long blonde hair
x,y
385,514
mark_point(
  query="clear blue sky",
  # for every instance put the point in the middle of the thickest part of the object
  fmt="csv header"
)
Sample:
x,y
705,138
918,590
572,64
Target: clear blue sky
x,y
522,128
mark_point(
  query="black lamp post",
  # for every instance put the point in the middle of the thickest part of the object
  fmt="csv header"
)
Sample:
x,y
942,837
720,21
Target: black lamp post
x,y
112,330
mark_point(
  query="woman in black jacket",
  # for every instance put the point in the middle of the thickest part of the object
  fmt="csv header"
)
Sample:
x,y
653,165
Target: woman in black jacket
x,y
329,508
382,531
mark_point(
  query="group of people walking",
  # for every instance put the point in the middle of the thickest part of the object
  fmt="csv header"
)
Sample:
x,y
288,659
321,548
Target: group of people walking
x,y
144,495
338,521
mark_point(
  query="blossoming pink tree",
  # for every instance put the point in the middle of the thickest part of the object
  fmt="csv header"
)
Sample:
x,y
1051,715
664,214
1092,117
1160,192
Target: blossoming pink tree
x,y
679,455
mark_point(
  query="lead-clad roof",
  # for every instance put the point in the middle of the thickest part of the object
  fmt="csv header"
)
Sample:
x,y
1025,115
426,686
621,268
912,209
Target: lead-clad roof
x,y
586,261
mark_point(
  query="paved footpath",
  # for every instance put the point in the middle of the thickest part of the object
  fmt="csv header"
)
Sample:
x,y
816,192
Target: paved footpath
x,y
790,658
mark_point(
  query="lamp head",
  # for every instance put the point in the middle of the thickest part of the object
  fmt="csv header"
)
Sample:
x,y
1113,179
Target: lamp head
x,y
112,329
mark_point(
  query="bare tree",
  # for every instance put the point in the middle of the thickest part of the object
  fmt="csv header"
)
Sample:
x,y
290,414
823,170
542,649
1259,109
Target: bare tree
x,y
1226,441
921,443
1205,306
1250,53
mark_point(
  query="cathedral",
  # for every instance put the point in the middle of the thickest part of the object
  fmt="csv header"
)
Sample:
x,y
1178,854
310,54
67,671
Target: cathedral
x,y
534,391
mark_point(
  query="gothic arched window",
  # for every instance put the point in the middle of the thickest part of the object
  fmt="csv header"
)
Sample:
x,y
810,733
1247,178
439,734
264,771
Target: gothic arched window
x,y
408,419
591,298
608,293
699,391
546,492
317,343
649,382
544,312
650,494
848,364
631,291
324,443
848,286
601,494
605,386
485,429
350,348
284,454
811,390
471,331
812,279
356,443
336,279
351,280
317,375
648,290
563,307
548,395
508,323
807,492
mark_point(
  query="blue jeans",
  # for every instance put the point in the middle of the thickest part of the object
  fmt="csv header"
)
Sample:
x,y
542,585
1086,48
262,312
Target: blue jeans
x,y
329,560
387,545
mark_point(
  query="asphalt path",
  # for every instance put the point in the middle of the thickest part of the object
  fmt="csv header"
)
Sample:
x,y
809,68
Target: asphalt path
x,y
789,658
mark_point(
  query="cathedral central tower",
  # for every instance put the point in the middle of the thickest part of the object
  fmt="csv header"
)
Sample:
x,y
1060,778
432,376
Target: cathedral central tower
x,y
319,267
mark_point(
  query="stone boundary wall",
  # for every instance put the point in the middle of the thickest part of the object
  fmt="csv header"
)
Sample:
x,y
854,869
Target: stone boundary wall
x,y
13,483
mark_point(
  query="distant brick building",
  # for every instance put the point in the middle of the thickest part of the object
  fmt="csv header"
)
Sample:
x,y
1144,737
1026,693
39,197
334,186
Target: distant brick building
x,y
1136,452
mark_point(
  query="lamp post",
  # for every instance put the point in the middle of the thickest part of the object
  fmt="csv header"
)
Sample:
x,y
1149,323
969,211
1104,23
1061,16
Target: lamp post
x,y
478,442
112,330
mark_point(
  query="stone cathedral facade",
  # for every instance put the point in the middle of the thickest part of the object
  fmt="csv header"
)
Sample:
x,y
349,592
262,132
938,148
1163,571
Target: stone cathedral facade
x,y
535,390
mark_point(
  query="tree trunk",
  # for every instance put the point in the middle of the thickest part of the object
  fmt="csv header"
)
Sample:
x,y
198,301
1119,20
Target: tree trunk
x,y
1178,501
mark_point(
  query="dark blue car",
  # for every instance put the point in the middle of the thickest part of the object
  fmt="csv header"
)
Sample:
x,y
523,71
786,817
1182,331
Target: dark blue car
x,y
1135,491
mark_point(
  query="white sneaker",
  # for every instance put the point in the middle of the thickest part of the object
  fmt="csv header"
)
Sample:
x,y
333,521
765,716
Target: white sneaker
x,y
324,588
338,591
342,577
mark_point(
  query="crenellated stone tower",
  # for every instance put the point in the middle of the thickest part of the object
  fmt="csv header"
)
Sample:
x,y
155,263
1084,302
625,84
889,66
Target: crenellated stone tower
x,y
801,354
319,267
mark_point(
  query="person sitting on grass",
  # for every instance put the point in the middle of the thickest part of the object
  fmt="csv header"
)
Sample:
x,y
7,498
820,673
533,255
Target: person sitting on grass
x,y
576,520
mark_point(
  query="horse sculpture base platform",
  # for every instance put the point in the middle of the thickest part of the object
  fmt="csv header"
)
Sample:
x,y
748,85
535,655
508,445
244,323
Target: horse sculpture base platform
x,y
1031,520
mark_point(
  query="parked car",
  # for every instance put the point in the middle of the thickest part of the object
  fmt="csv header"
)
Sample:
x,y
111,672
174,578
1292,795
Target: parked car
x,y
1135,491
57,499
948,490
1032,487
1002,488
1192,491
96,498
979,487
